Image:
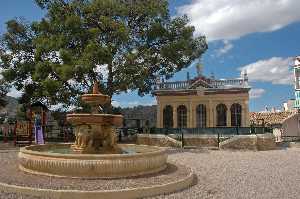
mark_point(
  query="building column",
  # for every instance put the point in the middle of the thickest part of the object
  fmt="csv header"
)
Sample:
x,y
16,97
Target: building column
x,y
174,115
245,114
162,115
194,115
228,116
158,115
211,114
190,122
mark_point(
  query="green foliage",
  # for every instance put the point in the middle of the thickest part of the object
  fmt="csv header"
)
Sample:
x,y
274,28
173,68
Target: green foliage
x,y
21,112
3,91
55,59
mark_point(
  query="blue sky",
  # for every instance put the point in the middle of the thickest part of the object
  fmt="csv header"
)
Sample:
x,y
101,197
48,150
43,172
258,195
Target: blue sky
x,y
261,36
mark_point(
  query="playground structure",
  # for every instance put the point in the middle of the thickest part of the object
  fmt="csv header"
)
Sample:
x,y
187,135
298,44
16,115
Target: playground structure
x,y
22,132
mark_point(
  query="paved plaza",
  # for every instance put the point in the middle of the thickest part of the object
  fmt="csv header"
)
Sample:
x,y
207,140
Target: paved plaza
x,y
235,174
241,174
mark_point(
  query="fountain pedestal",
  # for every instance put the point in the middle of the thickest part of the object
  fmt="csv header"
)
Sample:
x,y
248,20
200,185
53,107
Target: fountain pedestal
x,y
95,133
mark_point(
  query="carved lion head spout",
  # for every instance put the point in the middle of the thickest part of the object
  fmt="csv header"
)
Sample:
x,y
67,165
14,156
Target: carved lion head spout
x,y
84,136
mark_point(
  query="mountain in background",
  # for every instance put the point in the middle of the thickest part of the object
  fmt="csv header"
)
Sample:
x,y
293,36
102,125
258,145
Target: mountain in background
x,y
11,107
144,113
131,114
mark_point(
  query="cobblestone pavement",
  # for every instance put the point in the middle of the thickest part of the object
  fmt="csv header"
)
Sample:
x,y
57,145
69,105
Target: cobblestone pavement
x,y
235,174
241,174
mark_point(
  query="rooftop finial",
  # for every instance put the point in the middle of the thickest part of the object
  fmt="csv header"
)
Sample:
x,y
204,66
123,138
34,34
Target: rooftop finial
x,y
245,75
199,68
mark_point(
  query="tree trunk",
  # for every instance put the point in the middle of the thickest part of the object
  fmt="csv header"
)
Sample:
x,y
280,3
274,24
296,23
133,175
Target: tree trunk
x,y
110,89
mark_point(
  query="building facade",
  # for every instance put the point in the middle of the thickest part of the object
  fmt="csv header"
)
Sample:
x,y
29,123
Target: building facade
x,y
297,82
289,105
203,102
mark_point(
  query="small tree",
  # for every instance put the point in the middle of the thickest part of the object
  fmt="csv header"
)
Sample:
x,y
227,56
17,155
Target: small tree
x,y
124,43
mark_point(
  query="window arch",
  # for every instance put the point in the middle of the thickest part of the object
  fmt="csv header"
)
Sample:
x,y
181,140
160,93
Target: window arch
x,y
168,117
236,114
201,116
221,115
182,116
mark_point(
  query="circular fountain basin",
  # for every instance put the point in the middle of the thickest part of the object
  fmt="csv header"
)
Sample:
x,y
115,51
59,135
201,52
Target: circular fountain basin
x,y
87,118
58,160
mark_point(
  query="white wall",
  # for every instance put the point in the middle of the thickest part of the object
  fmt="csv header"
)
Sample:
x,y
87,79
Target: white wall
x,y
291,126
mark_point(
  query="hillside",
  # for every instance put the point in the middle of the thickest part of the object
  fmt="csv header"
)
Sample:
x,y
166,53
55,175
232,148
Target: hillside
x,y
145,113
11,108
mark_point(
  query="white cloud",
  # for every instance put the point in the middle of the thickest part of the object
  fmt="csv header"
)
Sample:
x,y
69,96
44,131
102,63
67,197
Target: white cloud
x,y
56,107
274,70
225,49
153,102
14,93
256,93
115,103
133,103
63,107
102,69
232,19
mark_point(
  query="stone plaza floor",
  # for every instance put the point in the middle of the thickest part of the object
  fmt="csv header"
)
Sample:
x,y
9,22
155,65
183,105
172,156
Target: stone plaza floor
x,y
234,174
241,174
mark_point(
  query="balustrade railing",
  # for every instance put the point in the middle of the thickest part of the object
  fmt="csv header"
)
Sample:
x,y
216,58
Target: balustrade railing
x,y
213,83
173,85
228,82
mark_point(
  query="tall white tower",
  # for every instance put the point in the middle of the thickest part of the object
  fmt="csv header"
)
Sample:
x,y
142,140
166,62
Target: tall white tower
x,y
297,83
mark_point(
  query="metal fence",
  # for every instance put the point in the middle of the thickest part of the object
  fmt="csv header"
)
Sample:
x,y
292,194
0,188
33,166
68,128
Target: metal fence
x,y
290,138
66,134
221,133
63,134
212,130
10,132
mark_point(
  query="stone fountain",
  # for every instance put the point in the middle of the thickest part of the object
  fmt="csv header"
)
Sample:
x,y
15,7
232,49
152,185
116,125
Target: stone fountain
x,y
95,153
95,133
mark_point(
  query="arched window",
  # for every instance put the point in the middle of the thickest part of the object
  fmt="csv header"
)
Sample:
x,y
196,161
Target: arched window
x,y
221,115
168,117
201,116
236,115
182,116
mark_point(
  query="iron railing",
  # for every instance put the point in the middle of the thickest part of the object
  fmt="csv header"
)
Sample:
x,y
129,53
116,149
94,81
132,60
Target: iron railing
x,y
213,130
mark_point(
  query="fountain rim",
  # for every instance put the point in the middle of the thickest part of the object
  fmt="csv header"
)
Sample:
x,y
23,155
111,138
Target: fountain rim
x,y
26,150
94,95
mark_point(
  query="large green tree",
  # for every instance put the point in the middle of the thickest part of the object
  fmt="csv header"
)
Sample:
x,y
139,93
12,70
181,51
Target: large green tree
x,y
124,43
4,87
